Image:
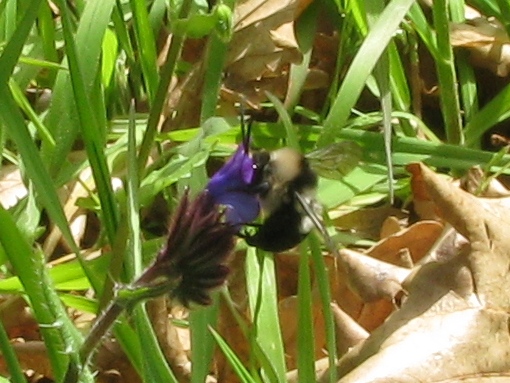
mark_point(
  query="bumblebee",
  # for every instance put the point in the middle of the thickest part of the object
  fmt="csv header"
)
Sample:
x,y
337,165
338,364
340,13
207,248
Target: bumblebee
x,y
284,182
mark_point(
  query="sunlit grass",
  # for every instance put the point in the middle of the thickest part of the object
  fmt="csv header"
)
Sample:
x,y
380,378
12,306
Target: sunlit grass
x,y
95,58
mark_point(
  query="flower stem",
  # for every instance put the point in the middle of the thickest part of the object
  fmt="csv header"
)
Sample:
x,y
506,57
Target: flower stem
x,y
101,326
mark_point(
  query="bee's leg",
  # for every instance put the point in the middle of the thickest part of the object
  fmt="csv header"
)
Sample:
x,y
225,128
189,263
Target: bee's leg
x,y
245,234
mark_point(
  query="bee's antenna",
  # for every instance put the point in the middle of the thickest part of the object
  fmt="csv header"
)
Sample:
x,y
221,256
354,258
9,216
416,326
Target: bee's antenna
x,y
245,131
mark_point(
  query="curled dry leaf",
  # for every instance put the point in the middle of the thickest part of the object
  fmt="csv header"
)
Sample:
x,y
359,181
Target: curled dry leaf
x,y
453,326
377,275
487,42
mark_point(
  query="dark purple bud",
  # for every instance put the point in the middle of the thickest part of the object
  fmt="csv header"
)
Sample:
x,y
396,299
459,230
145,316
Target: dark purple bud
x,y
195,257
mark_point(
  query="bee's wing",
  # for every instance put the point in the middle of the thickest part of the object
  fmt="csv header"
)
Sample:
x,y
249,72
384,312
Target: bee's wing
x,y
317,223
336,160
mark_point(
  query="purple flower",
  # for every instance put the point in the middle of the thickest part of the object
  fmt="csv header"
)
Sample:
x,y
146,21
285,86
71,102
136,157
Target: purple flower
x,y
194,259
203,232
231,186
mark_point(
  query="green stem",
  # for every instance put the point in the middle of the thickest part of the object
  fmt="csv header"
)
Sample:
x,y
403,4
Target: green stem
x,y
103,323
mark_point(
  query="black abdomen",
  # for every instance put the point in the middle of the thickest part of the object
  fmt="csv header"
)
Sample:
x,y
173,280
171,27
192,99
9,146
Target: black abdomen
x,y
280,231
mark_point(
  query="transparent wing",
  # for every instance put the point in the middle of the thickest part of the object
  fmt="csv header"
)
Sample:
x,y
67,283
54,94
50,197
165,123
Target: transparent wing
x,y
336,160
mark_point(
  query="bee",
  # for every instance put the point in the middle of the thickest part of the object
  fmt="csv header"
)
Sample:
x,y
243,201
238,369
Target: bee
x,y
286,186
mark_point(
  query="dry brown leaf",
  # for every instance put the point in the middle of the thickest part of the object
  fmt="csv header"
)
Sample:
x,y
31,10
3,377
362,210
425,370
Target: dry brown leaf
x,y
453,326
12,188
264,39
288,309
376,275
113,365
349,333
367,222
370,278
18,320
487,42
228,326
424,207
262,48
475,178
417,239
32,356
391,225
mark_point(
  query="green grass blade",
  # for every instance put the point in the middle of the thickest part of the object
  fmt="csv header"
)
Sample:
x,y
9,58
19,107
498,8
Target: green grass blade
x,y
129,340
12,51
134,258
305,31
122,32
445,65
467,79
424,29
399,86
91,131
157,14
18,132
10,357
161,94
361,67
60,336
406,150
155,367
322,278
495,111
261,282
234,361
21,100
146,46
504,7
283,116
62,118
202,343
305,341
216,57
10,19
382,75
487,7
46,27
